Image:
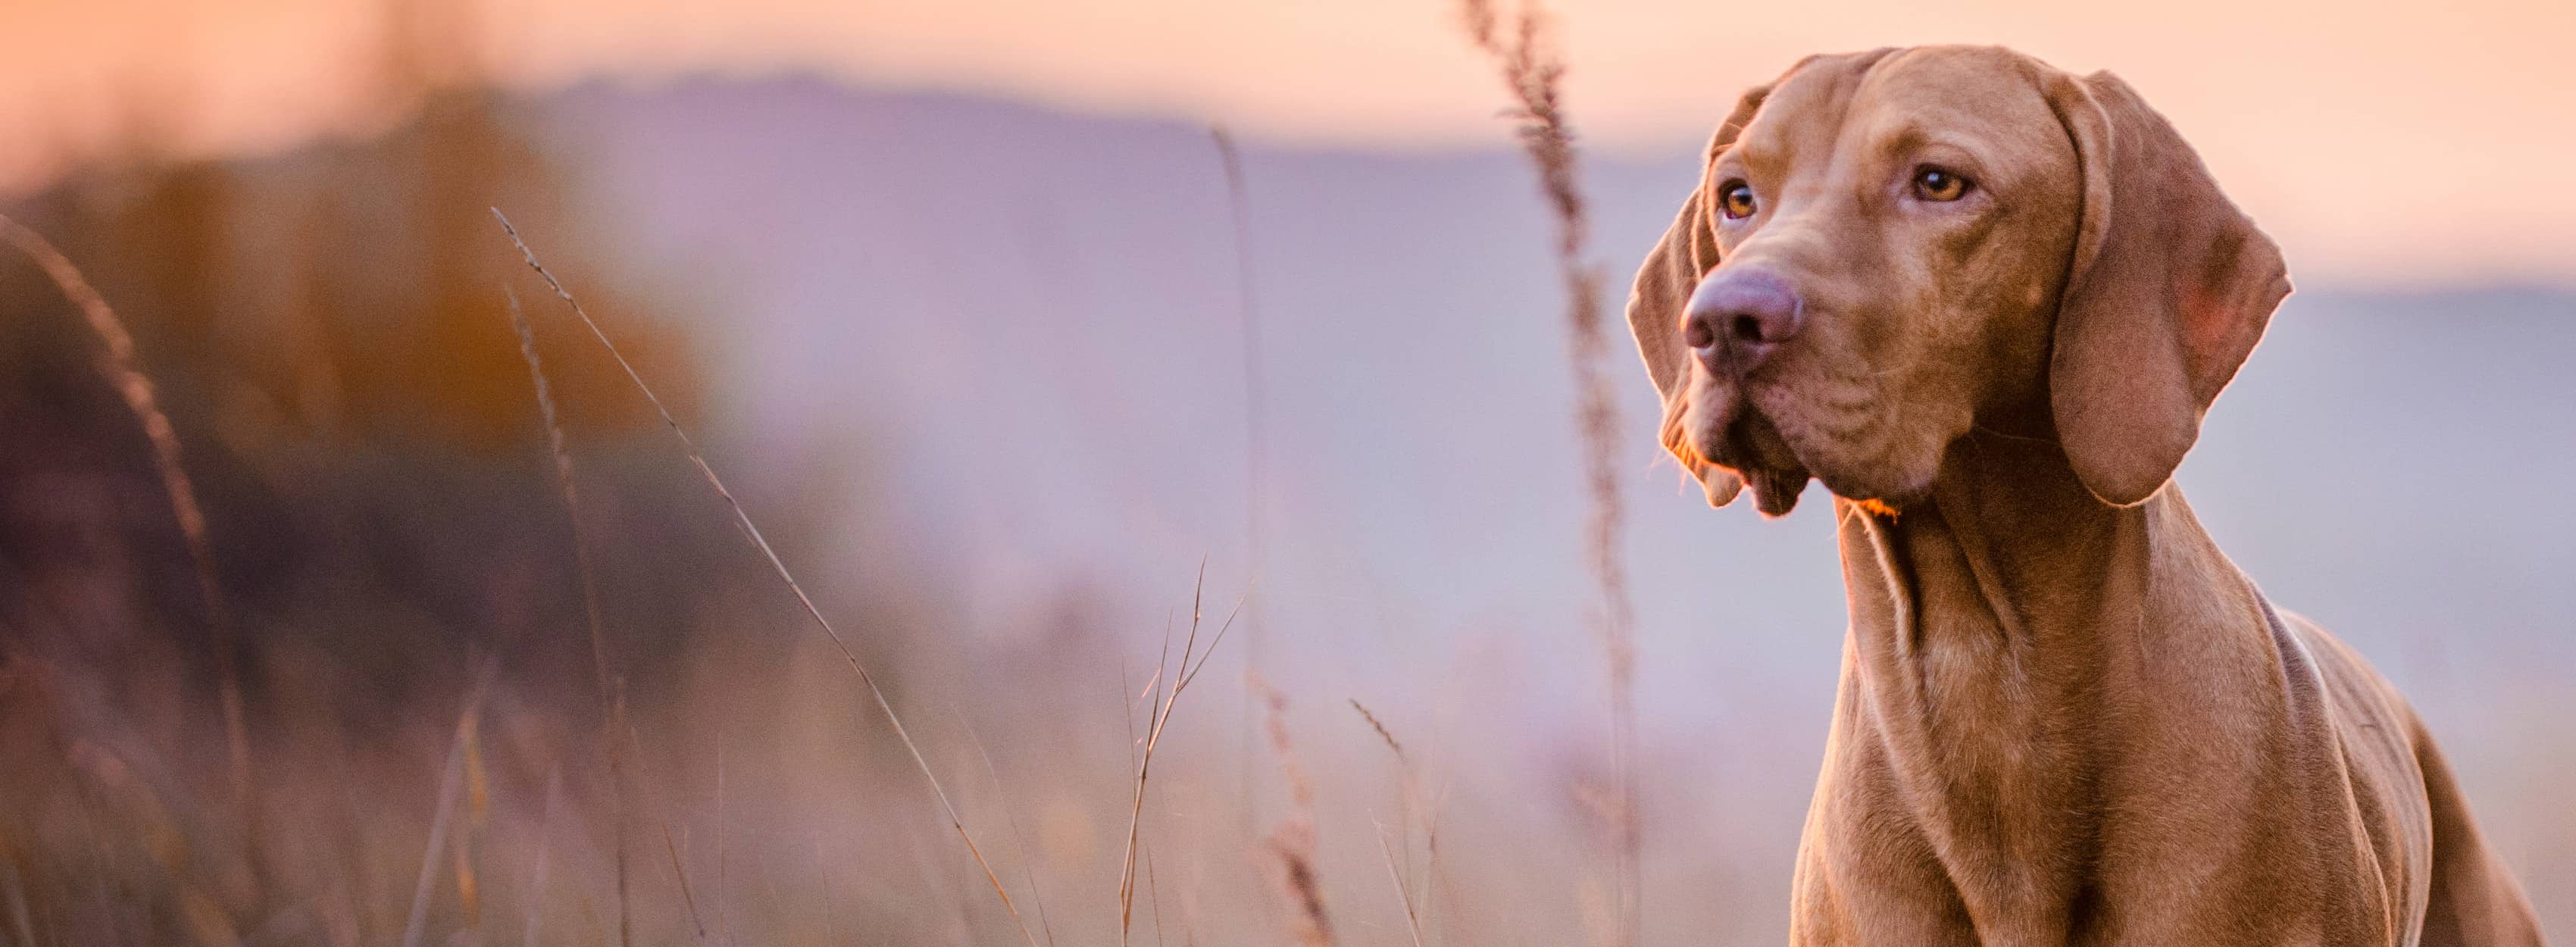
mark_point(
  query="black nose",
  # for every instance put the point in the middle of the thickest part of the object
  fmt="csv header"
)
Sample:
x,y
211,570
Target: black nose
x,y
1738,317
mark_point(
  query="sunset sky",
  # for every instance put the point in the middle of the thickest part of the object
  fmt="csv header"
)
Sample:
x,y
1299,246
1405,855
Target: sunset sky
x,y
2385,143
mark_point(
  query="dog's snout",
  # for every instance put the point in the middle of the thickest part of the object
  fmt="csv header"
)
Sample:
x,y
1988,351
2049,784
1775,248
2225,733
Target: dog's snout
x,y
1736,319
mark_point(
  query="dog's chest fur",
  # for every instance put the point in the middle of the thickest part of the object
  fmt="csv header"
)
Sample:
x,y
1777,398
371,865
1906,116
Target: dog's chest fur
x,y
2081,741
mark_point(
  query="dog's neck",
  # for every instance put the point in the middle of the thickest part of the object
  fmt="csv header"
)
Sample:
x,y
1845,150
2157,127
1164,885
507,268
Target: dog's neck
x,y
1979,612
2006,541
1992,625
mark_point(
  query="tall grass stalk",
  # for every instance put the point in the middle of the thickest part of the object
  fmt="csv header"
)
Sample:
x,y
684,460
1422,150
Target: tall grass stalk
x,y
1158,716
687,898
1533,73
1408,805
1010,816
1293,843
545,848
1256,444
612,687
123,370
1403,892
451,781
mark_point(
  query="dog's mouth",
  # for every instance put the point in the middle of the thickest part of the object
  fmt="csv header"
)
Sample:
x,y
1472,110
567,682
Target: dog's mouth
x,y
1749,445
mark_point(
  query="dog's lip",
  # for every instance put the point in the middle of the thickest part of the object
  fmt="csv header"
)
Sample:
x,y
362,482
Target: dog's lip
x,y
1749,445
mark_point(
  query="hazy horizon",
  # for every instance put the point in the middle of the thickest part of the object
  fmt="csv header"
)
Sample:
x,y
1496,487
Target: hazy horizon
x,y
2404,146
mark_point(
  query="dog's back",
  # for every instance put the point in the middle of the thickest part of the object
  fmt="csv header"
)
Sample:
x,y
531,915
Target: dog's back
x,y
2469,898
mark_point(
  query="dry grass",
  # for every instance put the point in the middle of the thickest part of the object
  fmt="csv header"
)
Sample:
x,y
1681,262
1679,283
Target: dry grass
x,y
1408,791
451,784
448,866
545,851
1160,717
611,687
1256,444
1293,843
751,531
455,844
1010,812
123,370
446,860
1532,72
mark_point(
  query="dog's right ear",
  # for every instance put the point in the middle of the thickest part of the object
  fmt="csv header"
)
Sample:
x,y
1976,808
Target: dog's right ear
x,y
2168,290
1663,288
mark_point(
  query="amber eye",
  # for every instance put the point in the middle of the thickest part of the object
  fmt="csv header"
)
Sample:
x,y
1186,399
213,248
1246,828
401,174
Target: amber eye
x,y
1737,199
1939,184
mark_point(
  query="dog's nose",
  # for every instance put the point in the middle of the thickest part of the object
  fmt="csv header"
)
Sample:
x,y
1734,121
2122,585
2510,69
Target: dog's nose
x,y
1736,319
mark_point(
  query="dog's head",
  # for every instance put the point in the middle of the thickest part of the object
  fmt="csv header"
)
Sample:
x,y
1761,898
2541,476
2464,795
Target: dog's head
x,y
1888,248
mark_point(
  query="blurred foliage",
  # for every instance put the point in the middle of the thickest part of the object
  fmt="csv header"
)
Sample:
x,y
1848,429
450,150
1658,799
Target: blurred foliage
x,y
330,338
329,332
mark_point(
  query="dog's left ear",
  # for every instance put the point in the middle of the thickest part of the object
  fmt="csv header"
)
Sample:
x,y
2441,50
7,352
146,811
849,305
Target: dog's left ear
x,y
2169,287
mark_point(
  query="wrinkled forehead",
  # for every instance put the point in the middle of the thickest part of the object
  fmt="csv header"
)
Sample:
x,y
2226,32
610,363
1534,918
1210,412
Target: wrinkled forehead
x,y
1981,98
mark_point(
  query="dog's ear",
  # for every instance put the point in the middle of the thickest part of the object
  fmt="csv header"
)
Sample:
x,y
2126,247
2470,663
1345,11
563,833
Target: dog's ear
x,y
1663,287
2168,289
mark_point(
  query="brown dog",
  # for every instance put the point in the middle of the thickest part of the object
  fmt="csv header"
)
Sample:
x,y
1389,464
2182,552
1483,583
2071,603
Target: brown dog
x,y
1986,302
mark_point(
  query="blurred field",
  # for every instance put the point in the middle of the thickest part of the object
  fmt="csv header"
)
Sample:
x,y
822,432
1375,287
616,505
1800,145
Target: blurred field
x,y
973,370
425,749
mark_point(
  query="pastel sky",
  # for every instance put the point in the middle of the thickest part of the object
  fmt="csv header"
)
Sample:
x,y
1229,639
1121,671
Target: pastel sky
x,y
2385,143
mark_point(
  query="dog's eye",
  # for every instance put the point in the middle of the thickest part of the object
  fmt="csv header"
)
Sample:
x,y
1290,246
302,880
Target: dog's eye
x,y
1939,184
1736,197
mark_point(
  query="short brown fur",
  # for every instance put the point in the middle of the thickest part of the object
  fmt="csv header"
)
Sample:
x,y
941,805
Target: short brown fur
x,y
2065,717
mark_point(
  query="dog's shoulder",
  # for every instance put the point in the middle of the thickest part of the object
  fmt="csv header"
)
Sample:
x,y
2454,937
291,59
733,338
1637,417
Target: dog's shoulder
x,y
2380,739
